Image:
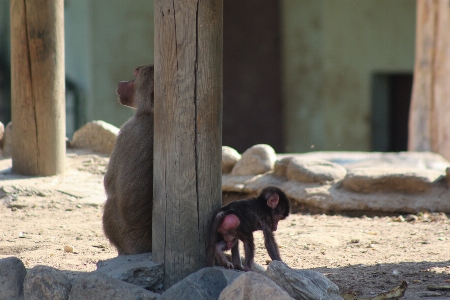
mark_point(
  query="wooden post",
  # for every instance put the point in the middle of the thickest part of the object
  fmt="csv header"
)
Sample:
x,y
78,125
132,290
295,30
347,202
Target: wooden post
x,y
429,122
38,86
188,132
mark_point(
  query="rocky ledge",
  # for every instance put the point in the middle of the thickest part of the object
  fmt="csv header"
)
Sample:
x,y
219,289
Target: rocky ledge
x,y
137,277
342,182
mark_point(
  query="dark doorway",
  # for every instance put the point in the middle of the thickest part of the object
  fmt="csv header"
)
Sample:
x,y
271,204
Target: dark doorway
x,y
390,111
5,93
252,106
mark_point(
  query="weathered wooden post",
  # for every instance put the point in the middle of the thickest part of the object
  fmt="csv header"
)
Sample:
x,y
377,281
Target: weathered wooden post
x,y
38,86
429,121
188,132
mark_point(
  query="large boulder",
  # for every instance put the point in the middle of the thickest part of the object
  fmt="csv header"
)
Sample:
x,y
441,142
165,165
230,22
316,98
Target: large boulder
x,y
281,167
12,275
229,158
97,285
255,160
43,282
399,180
205,284
302,284
314,170
97,136
253,286
138,269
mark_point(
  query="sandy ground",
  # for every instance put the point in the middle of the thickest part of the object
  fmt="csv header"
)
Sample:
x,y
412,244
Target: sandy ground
x,y
364,255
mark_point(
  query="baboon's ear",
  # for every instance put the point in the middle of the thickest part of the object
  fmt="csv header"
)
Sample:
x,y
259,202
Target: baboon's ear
x,y
272,201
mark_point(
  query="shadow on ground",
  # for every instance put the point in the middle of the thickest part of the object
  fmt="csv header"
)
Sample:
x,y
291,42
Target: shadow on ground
x,y
420,276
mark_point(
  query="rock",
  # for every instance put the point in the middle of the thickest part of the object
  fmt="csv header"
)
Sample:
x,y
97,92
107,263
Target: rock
x,y
229,159
253,286
281,166
411,218
138,269
250,185
309,170
205,284
12,275
98,136
353,159
97,285
447,176
68,249
7,141
255,160
44,282
255,267
236,184
400,180
302,284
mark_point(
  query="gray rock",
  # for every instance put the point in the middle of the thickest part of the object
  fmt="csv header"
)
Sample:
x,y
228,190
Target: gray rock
x,y
447,176
205,284
400,180
229,158
353,159
302,284
7,141
255,267
249,184
253,286
333,198
98,136
309,170
97,285
138,269
12,275
429,171
281,166
232,183
255,160
43,282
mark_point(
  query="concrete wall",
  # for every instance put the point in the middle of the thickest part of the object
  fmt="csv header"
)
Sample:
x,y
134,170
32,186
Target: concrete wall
x,y
105,41
330,51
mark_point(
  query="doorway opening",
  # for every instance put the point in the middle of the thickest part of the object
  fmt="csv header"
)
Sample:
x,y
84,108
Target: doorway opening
x,y
391,98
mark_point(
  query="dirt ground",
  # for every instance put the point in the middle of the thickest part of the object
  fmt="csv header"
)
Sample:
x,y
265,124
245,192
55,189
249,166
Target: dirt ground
x,y
362,255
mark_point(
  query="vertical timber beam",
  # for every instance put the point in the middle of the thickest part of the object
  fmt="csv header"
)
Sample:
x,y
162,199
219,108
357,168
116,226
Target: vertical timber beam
x,y
429,120
188,132
38,86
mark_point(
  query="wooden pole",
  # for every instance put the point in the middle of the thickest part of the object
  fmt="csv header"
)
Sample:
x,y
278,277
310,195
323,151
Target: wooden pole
x,y
429,122
38,86
188,132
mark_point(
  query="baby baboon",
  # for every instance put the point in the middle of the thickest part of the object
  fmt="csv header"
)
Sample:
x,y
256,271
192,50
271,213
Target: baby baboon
x,y
239,219
127,217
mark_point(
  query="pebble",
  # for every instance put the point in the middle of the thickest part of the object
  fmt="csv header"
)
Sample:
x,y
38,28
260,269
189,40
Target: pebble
x,y
68,249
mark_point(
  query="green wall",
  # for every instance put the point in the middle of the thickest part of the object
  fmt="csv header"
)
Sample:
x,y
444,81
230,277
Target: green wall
x,y
105,41
330,51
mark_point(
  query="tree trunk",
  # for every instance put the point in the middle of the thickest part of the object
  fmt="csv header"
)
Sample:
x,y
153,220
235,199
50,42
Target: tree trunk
x,y
38,86
188,132
429,123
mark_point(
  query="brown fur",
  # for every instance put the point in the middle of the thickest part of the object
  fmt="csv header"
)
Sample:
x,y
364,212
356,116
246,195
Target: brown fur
x,y
127,217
